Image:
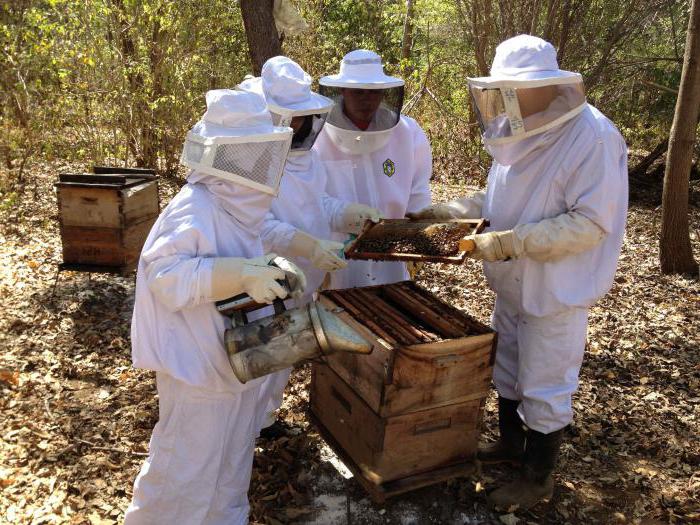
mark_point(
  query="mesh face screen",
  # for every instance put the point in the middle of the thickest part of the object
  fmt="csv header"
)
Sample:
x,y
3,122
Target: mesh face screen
x,y
277,118
260,162
380,106
193,151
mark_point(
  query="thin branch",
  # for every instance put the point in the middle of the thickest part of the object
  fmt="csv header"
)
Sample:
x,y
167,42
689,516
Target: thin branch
x,y
659,86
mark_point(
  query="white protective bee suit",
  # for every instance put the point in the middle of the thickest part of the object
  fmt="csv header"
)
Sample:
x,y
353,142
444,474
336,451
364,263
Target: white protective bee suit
x,y
303,216
386,166
205,246
556,198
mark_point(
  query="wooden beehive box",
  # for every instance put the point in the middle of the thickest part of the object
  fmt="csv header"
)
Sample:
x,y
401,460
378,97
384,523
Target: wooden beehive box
x,y
427,353
406,415
105,219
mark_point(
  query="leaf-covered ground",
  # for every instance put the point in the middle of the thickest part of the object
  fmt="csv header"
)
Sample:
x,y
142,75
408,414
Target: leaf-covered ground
x,y
76,418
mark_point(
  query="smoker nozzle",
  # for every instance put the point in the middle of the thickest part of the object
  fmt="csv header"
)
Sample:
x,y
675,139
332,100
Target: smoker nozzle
x,y
281,341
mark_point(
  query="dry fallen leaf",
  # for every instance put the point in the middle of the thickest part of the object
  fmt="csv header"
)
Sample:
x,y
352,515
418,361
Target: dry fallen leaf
x,y
509,519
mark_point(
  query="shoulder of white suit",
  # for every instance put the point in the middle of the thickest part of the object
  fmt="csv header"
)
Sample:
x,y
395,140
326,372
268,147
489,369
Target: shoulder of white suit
x,y
192,207
409,121
414,128
605,133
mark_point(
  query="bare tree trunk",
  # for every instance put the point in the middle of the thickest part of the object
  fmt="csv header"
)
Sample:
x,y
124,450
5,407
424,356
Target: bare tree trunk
x,y
675,252
260,31
407,40
474,20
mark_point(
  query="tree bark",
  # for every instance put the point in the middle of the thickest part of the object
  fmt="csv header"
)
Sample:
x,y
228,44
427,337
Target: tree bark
x,y
260,31
675,250
407,40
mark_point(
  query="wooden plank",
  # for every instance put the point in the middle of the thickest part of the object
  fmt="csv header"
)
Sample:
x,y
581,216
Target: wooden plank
x,y
422,441
139,202
89,206
144,172
341,300
424,479
380,492
325,299
386,449
94,246
442,309
416,377
365,375
134,237
423,311
438,374
88,235
413,333
356,427
88,178
390,322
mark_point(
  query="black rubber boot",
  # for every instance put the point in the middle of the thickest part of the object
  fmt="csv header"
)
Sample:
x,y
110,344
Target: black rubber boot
x,y
535,482
511,442
277,430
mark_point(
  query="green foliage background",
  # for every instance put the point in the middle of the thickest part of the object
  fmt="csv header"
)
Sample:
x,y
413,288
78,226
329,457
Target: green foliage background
x,y
120,81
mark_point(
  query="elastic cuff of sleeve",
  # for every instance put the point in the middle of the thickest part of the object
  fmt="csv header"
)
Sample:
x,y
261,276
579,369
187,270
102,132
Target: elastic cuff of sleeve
x,y
203,273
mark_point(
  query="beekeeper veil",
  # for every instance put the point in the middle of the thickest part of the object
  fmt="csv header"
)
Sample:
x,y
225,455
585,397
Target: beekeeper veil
x,y
287,90
367,103
237,141
526,93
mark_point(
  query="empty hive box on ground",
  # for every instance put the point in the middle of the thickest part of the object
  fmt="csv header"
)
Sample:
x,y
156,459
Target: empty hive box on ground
x,y
408,414
429,240
105,218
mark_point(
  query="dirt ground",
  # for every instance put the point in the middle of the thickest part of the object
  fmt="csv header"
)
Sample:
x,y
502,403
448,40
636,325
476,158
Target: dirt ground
x,y
76,418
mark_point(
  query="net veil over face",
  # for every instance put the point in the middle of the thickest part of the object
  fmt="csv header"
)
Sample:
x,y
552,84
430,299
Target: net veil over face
x,y
379,108
255,160
511,111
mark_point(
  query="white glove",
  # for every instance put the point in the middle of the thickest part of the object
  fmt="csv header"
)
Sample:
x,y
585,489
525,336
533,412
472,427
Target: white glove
x,y
545,241
234,275
294,275
496,246
466,208
355,215
322,254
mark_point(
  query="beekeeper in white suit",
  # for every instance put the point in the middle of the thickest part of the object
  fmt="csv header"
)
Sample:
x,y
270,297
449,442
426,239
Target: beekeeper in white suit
x,y
204,247
303,217
373,154
556,197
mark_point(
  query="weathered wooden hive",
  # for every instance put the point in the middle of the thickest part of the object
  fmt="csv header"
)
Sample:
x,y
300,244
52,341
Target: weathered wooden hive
x,y
105,217
408,414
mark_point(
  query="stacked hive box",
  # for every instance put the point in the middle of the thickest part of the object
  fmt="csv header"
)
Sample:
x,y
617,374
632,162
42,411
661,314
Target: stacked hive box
x,y
105,219
408,414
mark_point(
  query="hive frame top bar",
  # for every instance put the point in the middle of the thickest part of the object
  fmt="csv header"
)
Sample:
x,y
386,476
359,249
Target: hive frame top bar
x,y
387,225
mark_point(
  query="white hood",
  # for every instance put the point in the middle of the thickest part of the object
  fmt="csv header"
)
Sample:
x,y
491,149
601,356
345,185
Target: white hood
x,y
248,206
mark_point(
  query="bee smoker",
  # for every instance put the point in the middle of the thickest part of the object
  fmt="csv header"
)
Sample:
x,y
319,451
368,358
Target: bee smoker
x,y
285,339
282,340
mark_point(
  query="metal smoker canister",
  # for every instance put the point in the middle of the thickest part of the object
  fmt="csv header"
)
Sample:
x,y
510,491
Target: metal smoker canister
x,y
280,341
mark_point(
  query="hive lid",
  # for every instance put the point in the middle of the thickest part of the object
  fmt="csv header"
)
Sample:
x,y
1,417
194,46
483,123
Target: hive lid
x,y
424,240
114,180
